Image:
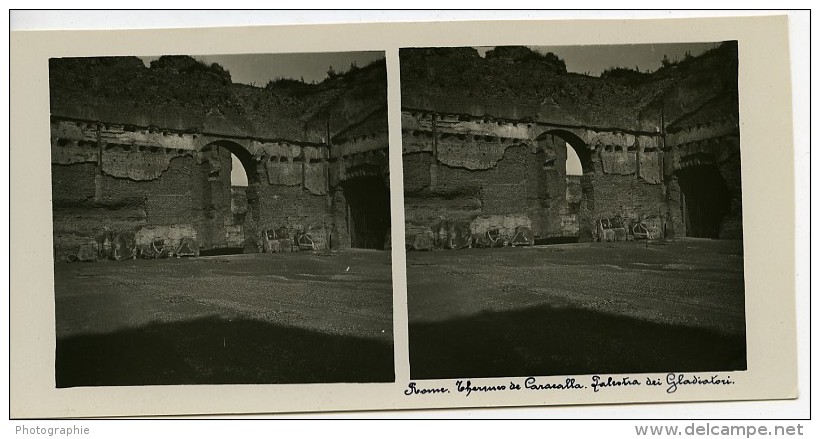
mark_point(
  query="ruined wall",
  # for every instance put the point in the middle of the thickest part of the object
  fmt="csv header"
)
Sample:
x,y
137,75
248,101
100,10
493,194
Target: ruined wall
x,y
157,183
154,185
295,209
157,208
461,195
243,230
148,152
492,174
474,181
181,94
239,200
466,119
570,212
218,225
628,183
714,147
522,85
527,89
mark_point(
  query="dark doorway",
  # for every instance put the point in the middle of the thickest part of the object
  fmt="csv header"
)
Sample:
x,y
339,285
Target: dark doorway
x,y
368,211
705,200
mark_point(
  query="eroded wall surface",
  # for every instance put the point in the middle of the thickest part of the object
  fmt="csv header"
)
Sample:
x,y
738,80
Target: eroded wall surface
x,y
484,144
491,174
156,162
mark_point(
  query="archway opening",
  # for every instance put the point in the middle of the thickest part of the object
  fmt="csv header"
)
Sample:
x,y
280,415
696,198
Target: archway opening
x,y
574,167
573,195
569,172
230,203
368,211
705,200
239,178
576,149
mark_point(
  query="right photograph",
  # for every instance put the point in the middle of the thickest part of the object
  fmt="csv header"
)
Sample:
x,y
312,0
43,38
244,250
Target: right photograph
x,y
573,210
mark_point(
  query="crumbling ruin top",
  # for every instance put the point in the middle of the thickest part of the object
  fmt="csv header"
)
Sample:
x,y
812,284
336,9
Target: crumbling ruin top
x,y
181,93
515,83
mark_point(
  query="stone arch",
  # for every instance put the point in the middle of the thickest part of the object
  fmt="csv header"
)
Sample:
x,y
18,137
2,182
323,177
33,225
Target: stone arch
x,y
571,214
576,142
231,215
245,156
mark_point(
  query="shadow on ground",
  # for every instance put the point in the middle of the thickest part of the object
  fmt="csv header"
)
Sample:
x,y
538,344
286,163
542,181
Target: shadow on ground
x,y
549,341
218,351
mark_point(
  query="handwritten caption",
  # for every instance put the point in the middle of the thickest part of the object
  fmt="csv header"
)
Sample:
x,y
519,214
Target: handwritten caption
x,y
671,384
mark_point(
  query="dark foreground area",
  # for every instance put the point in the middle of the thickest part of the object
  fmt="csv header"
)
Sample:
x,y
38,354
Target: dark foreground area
x,y
626,307
244,319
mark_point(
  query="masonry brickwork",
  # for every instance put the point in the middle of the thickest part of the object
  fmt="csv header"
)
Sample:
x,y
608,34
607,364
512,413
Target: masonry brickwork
x,y
147,151
485,145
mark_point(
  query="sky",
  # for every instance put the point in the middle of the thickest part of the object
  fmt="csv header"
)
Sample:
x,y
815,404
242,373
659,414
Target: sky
x,y
594,59
573,162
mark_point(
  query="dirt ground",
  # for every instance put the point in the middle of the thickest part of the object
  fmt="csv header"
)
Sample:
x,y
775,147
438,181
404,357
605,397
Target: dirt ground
x,y
623,307
620,307
257,318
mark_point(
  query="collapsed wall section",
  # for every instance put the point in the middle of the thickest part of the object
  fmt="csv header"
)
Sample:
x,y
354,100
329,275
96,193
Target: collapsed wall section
x,y
162,207
658,149
483,174
146,152
159,184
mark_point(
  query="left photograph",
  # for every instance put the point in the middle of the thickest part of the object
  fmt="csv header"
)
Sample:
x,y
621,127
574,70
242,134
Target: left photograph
x,y
221,219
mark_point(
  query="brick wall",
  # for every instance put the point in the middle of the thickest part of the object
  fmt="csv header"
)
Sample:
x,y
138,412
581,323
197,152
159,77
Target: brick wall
x,y
296,209
74,182
527,185
520,190
122,204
